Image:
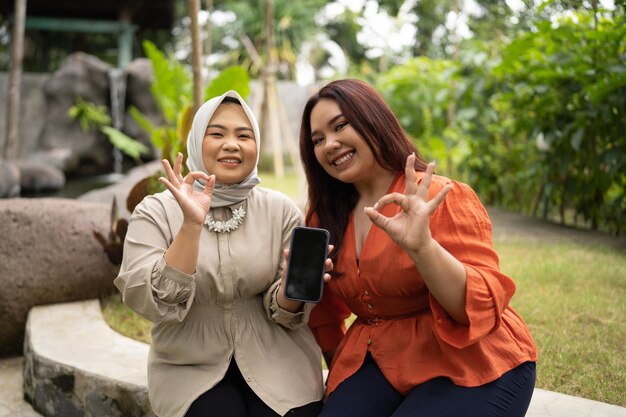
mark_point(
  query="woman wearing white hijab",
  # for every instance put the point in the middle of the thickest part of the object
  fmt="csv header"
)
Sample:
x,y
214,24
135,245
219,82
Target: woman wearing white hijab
x,y
204,262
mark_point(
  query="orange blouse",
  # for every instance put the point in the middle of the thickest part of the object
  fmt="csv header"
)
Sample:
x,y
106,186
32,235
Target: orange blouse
x,y
408,333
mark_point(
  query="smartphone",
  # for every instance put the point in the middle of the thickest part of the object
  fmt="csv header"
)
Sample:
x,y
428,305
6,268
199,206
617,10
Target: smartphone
x,y
305,268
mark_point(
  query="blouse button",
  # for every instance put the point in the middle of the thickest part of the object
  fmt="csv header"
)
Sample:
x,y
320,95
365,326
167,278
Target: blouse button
x,y
369,306
366,292
249,379
369,340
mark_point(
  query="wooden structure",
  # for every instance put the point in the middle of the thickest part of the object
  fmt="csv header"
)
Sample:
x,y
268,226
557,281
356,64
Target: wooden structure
x,y
120,18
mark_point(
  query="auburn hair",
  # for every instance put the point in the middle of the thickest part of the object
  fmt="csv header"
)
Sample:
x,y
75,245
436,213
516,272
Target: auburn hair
x,y
331,201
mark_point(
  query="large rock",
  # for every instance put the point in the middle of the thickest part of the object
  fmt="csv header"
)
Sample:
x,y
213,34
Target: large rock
x,y
122,188
140,76
86,77
48,254
31,111
39,176
9,179
60,158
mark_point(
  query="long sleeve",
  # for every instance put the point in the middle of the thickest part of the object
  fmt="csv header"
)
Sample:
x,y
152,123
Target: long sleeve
x,y
281,316
148,286
461,225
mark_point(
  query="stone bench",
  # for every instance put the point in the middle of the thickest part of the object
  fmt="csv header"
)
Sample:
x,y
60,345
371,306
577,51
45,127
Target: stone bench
x,y
76,365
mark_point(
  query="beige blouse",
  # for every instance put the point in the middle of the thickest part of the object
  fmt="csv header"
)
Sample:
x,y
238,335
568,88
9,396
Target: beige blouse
x,y
227,308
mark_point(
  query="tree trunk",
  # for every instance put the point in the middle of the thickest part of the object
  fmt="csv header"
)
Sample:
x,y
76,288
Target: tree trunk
x,y
451,110
11,149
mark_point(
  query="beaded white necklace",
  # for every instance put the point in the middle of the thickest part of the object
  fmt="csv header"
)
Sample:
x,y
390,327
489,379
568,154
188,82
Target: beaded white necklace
x,y
226,226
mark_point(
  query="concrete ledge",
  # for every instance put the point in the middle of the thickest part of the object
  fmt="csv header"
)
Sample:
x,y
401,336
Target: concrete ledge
x,y
76,365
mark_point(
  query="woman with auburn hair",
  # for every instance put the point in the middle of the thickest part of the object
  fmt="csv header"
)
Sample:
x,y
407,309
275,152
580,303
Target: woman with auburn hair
x,y
414,261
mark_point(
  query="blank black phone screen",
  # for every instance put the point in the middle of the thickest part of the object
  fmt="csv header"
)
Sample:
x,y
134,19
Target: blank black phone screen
x,y
305,269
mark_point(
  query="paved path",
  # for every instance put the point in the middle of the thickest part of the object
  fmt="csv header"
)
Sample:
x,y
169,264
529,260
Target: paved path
x,y
12,403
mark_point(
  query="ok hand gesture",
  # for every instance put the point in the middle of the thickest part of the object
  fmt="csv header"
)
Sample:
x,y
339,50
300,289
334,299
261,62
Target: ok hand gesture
x,y
410,228
194,204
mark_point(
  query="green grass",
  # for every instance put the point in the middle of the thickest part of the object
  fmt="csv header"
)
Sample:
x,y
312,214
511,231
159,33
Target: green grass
x,y
290,184
572,296
123,320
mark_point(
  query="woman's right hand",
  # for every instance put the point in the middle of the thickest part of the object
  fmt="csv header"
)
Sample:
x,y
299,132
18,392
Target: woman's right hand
x,y
195,205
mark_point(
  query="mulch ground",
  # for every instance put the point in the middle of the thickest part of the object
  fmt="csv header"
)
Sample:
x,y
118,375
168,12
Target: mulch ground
x,y
513,226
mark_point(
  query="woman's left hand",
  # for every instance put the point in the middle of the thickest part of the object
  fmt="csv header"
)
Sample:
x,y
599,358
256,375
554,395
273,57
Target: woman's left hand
x,y
410,228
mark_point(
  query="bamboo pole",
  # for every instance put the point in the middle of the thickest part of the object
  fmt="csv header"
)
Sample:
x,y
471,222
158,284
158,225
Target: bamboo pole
x,y
208,26
292,148
196,54
274,129
294,153
15,81
269,79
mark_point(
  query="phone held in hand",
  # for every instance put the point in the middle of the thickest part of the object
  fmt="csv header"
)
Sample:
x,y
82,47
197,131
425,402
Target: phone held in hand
x,y
305,268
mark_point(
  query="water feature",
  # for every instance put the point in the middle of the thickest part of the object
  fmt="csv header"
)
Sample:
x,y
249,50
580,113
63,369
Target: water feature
x,y
117,81
76,186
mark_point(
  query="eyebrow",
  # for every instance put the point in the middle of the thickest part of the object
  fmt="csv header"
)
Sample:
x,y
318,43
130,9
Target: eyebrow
x,y
237,129
330,122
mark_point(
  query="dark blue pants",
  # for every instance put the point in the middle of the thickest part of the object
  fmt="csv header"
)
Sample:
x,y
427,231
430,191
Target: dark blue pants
x,y
232,397
368,394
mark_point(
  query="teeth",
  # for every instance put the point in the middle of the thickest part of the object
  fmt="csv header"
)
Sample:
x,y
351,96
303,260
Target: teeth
x,y
229,160
343,158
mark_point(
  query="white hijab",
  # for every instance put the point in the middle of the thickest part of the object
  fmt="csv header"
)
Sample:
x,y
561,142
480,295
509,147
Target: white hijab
x,y
223,194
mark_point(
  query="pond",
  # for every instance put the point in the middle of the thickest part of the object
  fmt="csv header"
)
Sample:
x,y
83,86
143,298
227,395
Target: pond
x,y
76,186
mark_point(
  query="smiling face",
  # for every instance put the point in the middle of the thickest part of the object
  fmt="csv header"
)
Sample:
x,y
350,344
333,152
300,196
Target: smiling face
x,y
229,146
338,147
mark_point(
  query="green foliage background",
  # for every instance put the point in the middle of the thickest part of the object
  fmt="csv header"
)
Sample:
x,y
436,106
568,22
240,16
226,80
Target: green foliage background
x,y
539,125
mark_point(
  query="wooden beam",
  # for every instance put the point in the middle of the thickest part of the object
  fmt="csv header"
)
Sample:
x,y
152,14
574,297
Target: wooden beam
x,y
125,39
79,25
